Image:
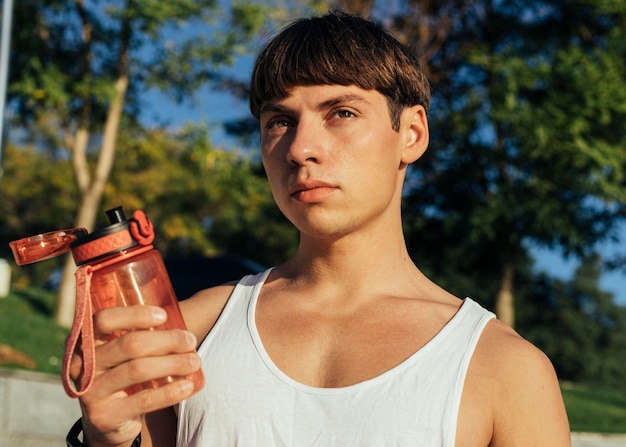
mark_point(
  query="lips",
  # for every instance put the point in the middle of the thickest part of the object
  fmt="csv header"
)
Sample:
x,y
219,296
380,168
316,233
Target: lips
x,y
310,190
307,185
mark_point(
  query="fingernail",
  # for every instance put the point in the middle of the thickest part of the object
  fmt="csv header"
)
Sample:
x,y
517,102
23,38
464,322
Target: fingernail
x,y
186,386
190,339
194,361
159,314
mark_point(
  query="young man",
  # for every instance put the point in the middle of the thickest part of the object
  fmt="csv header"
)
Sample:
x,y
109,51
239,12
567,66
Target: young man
x,y
347,343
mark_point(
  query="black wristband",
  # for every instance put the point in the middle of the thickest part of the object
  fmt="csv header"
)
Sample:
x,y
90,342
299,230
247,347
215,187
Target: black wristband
x,y
72,437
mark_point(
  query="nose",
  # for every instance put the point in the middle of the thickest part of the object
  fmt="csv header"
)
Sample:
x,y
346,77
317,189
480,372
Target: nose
x,y
305,145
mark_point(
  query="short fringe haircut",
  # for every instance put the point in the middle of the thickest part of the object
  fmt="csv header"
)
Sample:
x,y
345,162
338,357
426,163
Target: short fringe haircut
x,y
338,48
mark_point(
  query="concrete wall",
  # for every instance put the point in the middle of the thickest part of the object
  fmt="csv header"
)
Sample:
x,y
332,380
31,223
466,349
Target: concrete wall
x,y
34,410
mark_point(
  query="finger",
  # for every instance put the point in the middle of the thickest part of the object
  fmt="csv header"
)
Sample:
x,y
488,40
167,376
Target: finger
x,y
137,344
76,361
118,319
120,419
142,370
76,368
165,396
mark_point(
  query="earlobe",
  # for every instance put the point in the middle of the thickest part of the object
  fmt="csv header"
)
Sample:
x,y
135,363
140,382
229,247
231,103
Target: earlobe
x,y
416,134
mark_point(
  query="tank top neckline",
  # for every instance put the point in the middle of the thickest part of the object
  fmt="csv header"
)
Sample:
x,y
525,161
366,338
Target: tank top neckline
x,y
257,283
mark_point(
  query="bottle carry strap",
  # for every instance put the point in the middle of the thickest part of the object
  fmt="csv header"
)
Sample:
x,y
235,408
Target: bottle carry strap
x,y
82,328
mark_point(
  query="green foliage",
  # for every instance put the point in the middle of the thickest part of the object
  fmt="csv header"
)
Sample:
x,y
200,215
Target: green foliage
x,y
66,55
194,53
66,58
562,161
202,199
37,195
527,135
36,192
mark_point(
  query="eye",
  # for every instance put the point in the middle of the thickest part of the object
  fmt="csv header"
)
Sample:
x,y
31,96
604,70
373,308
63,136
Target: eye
x,y
278,123
343,113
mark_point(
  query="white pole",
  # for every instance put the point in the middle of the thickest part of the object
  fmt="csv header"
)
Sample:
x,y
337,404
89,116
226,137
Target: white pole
x,y
7,12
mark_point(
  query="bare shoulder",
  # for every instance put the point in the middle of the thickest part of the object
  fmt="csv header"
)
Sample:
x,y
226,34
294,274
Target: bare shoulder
x,y
502,346
202,310
524,395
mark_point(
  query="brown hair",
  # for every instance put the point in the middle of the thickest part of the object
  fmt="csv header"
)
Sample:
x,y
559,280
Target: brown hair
x,y
338,48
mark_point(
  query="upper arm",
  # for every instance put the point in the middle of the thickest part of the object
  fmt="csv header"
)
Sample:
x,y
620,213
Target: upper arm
x,y
526,400
202,310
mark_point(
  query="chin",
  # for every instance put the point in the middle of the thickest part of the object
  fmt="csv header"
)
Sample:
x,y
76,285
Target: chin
x,y
329,231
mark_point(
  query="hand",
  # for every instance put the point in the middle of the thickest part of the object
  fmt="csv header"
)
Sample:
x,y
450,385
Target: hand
x,y
111,416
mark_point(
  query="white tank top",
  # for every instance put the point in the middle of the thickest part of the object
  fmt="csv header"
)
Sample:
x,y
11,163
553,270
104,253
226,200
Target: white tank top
x,y
249,402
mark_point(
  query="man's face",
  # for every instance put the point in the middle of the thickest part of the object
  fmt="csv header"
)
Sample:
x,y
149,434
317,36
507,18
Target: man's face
x,y
333,161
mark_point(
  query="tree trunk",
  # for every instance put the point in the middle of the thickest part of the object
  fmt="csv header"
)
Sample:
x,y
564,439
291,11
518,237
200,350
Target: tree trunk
x,y
505,305
66,299
91,192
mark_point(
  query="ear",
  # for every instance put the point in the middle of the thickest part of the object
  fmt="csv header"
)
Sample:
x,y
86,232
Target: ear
x,y
416,132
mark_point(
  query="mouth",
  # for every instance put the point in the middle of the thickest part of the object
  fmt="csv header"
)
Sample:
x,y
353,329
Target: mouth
x,y
311,191
307,186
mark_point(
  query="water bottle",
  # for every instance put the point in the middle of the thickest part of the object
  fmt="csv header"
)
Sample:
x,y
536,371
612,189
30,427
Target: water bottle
x,y
117,266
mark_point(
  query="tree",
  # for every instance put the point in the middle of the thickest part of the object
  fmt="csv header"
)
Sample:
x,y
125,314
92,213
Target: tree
x,y
578,325
203,200
527,140
79,66
36,195
527,136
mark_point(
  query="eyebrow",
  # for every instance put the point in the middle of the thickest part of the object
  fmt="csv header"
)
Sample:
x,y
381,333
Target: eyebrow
x,y
340,100
327,104
273,107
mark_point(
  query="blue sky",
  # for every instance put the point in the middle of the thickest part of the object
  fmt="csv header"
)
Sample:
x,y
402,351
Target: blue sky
x,y
554,264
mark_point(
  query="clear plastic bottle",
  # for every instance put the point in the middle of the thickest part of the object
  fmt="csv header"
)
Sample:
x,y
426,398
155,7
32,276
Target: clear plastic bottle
x,y
140,279
128,271
117,266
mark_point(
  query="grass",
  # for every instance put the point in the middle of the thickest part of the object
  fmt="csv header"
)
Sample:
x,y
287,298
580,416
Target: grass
x,y
595,409
27,325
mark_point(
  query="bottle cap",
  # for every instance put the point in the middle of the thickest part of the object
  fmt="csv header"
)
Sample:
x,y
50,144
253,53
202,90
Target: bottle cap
x,y
45,245
120,236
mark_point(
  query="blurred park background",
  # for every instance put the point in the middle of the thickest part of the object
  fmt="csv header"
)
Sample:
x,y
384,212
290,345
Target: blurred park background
x,y
520,202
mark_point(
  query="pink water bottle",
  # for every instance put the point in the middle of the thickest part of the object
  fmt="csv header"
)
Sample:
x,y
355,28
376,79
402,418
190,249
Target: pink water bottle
x,y
117,266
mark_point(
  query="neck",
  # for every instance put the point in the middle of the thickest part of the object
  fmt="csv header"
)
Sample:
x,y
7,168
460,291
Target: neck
x,y
358,261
